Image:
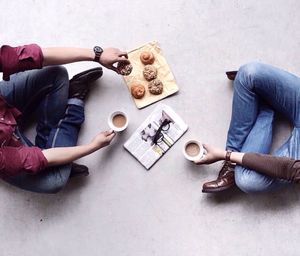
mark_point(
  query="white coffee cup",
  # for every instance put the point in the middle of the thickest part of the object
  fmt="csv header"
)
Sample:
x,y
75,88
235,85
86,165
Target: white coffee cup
x,y
193,150
118,121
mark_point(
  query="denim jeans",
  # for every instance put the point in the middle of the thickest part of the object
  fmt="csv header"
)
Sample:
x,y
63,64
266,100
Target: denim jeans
x,y
259,90
45,93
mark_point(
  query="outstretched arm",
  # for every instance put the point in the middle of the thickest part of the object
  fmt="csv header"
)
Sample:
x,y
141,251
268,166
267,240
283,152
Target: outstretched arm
x,y
274,166
64,155
32,56
64,55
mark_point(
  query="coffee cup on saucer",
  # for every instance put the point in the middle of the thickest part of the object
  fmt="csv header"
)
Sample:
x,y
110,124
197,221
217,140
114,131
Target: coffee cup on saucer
x,y
193,150
118,121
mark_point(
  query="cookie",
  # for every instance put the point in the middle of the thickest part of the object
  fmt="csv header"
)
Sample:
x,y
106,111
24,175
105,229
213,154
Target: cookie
x,y
124,68
155,87
150,72
137,90
147,58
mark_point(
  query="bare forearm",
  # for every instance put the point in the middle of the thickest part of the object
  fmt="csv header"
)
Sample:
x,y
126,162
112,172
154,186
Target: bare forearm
x,y
64,155
235,157
65,55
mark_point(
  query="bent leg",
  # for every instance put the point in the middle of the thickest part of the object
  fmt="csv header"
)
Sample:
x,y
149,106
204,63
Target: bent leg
x,y
291,148
53,179
57,126
251,181
27,90
259,140
65,134
245,106
48,181
255,83
260,82
278,88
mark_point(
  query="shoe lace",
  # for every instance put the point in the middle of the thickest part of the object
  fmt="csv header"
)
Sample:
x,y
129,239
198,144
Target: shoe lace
x,y
224,168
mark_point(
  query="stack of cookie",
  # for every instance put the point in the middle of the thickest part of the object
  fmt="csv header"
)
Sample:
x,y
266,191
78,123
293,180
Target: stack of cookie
x,y
155,86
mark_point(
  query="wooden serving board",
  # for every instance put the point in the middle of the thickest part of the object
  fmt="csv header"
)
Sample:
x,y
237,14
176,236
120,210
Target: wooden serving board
x,y
163,73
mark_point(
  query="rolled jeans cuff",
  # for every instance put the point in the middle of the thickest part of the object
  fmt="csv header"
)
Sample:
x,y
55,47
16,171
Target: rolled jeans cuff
x,y
76,101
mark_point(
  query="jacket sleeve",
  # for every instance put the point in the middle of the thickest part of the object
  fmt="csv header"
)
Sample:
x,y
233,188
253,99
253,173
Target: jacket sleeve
x,y
21,58
14,160
274,166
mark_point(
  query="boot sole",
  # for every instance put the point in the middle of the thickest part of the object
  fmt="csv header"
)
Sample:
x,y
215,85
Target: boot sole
x,y
216,190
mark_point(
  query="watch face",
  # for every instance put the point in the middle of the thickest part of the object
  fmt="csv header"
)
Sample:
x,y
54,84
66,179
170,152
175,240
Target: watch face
x,y
98,49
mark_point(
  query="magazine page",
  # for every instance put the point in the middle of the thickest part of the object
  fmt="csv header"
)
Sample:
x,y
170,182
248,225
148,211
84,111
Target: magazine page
x,y
156,135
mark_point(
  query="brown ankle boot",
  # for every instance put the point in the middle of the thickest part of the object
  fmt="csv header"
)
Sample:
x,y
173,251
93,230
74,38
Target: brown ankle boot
x,y
224,181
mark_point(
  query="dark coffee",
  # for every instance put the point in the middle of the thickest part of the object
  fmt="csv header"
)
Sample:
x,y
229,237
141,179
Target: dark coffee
x,y
119,120
192,149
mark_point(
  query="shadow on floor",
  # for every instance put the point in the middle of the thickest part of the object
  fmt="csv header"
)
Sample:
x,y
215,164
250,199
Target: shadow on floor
x,y
282,199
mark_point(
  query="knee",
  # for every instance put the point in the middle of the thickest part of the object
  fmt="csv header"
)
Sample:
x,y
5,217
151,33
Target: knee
x,y
250,69
249,181
54,189
56,180
59,75
60,78
58,71
250,72
245,183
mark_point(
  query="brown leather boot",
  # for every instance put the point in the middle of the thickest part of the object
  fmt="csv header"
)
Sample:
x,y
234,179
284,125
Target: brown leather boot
x,y
224,181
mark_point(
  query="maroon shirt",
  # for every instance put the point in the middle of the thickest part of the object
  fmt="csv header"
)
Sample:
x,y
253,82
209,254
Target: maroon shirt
x,y
14,156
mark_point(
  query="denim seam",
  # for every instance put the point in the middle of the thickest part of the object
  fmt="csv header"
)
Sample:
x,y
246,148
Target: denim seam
x,y
45,109
58,128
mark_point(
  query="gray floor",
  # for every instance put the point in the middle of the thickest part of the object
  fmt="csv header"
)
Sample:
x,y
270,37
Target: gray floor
x,y
121,209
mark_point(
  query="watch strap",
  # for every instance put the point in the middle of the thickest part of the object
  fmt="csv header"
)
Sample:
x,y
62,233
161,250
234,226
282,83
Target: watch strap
x,y
227,156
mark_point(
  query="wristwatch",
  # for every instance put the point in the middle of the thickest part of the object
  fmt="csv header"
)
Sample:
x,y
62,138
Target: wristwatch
x,y
98,51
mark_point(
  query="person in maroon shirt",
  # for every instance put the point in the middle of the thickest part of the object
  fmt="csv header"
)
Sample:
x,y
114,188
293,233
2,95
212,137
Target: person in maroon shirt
x,y
33,83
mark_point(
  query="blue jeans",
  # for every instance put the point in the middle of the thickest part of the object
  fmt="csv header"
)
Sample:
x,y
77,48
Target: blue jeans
x,y
259,90
45,93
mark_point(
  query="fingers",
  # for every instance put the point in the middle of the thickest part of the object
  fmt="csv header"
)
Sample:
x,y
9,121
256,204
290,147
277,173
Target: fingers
x,y
205,146
110,137
108,132
114,69
123,60
196,162
200,161
123,54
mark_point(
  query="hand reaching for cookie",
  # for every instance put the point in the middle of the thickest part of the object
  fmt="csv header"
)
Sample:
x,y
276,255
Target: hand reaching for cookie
x,y
111,56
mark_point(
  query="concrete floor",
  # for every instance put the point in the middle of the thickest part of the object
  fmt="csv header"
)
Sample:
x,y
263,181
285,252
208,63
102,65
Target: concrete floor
x,y
121,209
